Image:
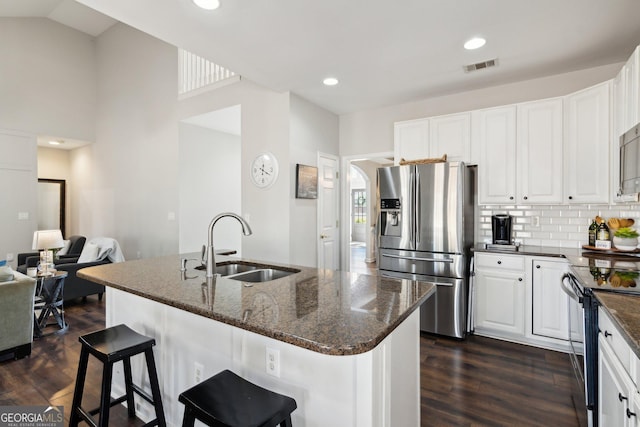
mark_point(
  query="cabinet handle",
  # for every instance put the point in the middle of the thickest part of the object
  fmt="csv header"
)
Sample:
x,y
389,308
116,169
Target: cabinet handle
x,y
499,262
570,197
607,334
511,198
525,197
537,266
519,279
621,397
630,414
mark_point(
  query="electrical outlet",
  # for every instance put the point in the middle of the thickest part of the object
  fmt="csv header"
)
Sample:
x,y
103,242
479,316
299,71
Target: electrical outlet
x,y
273,362
197,372
9,257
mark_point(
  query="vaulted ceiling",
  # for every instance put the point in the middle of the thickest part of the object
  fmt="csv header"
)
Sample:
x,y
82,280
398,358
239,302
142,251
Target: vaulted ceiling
x,y
382,52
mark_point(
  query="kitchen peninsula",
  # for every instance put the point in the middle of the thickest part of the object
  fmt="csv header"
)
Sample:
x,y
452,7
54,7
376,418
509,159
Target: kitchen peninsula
x,y
344,345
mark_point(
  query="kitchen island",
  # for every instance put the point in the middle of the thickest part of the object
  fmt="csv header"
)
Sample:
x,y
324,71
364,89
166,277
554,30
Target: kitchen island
x,y
344,345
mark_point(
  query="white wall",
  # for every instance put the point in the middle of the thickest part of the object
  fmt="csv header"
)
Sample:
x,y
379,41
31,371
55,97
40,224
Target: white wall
x,y
134,160
48,79
47,87
371,131
56,164
264,127
18,175
312,130
210,182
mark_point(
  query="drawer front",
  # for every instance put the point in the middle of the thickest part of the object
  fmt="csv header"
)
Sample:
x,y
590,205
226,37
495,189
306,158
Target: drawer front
x,y
614,338
500,261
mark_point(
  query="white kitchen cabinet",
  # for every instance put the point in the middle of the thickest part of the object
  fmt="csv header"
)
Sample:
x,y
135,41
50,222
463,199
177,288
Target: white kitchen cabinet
x,y
411,140
550,303
451,135
494,132
631,98
616,391
499,295
434,137
586,145
539,151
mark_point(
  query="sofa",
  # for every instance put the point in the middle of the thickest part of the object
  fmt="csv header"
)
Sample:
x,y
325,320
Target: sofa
x,y
104,251
16,321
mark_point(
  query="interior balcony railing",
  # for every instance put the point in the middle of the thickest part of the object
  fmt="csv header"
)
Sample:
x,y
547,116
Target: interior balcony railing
x,y
197,74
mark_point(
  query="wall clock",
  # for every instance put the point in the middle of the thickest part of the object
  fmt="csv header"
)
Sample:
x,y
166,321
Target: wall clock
x,y
264,170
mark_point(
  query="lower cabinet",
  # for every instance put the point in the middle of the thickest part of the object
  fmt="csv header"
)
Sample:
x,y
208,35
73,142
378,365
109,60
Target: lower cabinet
x,y
618,398
499,295
550,303
519,298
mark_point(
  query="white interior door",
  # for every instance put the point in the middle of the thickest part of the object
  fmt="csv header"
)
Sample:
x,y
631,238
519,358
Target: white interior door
x,y
328,242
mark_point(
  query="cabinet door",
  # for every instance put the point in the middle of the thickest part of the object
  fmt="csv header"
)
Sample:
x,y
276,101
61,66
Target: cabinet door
x,y
550,303
494,132
451,135
614,389
500,301
632,90
411,140
586,150
539,148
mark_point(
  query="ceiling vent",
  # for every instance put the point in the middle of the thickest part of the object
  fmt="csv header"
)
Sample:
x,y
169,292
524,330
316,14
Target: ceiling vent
x,y
480,65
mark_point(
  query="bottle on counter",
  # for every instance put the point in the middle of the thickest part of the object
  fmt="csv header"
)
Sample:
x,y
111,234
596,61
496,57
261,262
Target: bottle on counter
x,y
603,231
593,229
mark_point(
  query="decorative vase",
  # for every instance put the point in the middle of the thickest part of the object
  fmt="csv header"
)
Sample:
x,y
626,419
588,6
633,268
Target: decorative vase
x,y
625,243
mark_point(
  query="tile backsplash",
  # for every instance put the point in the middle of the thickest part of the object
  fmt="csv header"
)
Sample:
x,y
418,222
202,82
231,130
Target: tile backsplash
x,y
551,225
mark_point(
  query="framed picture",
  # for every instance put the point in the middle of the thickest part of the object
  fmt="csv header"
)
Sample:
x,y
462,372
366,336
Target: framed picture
x,y
306,182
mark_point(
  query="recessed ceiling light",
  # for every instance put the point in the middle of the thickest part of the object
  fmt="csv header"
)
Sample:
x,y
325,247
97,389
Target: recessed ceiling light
x,y
330,81
53,142
474,43
207,4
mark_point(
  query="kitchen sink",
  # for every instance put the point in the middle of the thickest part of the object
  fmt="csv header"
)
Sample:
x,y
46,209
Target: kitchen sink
x,y
250,272
262,275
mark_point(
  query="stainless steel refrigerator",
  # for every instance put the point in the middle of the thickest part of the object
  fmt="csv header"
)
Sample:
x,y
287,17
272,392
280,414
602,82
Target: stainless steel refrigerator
x,y
425,232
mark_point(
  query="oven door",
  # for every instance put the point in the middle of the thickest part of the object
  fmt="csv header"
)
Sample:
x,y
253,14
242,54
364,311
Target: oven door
x,y
579,393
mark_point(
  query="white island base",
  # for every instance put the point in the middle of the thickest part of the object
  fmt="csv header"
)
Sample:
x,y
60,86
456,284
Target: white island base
x,y
378,388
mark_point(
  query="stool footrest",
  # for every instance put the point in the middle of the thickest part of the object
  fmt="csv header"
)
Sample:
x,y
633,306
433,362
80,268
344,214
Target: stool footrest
x,y
143,394
87,417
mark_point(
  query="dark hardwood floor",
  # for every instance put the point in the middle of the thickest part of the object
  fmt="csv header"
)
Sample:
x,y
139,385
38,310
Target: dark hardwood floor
x,y
476,382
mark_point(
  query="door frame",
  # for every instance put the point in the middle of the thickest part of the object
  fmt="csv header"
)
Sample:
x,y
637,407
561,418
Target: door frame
x,y
345,195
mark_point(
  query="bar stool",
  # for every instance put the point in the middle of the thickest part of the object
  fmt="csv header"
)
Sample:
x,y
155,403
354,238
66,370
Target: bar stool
x,y
112,345
229,400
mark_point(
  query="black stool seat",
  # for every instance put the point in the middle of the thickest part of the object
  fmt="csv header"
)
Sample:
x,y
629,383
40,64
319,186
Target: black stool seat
x,y
116,343
231,401
111,345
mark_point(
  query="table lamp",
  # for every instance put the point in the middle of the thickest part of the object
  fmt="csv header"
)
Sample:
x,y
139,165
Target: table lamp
x,y
45,241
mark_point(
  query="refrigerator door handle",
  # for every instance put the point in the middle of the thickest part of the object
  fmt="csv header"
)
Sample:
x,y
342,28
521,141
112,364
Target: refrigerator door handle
x,y
417,208
447,260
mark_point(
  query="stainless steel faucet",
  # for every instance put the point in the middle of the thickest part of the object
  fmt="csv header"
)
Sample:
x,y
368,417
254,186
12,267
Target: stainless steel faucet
x,y
211,258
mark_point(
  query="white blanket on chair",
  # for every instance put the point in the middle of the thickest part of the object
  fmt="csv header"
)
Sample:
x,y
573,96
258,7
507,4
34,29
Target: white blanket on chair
x,y
108,248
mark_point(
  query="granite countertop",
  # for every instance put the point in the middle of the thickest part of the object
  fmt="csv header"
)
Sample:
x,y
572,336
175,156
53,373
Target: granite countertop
x,y
546,251
329,312
624,310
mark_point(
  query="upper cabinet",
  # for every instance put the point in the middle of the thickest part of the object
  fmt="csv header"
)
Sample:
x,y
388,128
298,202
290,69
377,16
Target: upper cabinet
x,y
434,137
630,94
586,145
494,132
539,151
552,151
450,135
411,140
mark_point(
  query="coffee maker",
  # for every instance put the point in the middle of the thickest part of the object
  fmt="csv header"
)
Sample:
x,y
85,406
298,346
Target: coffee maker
x,y
501,229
